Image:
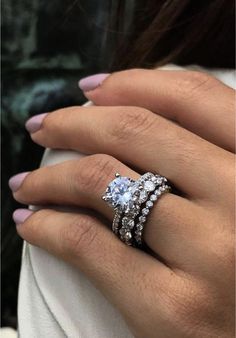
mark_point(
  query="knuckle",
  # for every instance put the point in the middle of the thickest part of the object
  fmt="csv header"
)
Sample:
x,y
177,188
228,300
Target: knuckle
x,y
78,236
135,121
93,172
193,83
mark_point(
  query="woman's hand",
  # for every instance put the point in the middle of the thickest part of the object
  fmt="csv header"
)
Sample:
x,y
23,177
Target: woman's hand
x,y
178,124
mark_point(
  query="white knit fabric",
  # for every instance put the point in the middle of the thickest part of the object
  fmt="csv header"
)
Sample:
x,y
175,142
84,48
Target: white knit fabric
x,y
57,300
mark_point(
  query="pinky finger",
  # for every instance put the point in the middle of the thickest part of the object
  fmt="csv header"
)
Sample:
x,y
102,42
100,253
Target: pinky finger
x,y
119,271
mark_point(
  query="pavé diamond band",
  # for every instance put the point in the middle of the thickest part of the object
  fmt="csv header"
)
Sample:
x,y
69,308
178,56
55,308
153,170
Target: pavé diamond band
x,y
132,201
150,187
138,231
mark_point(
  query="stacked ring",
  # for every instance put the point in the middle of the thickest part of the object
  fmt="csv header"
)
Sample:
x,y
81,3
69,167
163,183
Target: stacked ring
x,y
132,201
145,186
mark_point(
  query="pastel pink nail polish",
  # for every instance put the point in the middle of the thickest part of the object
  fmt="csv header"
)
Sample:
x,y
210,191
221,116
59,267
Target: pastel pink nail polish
x,y
20,215
35,122
92,82
16,181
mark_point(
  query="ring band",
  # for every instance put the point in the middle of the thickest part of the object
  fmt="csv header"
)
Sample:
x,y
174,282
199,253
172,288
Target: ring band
x,y
147,184
132,201
138,233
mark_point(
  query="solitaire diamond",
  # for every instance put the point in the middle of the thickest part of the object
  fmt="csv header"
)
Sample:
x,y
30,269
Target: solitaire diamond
x,y
119,193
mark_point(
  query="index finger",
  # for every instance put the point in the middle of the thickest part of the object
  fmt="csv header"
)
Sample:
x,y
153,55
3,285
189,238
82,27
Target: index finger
x,y
197,101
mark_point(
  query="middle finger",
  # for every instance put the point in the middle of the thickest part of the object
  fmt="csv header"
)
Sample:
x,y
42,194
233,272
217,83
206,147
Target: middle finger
x,y
139,138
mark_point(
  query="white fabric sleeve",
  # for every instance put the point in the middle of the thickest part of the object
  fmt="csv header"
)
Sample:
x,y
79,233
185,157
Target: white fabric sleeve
x,y
57,300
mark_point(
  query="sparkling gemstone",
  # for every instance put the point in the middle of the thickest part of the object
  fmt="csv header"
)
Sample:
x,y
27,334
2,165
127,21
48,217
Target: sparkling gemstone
x,y
122,231
142,219
125,220
132,211
149,204
143,196
119,193
147,176
159,180
145,211
128,236
149,186
157,193
128,222
153,198
139,226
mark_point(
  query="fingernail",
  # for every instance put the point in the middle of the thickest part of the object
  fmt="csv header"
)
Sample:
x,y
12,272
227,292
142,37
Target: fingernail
x,y
35,122
16,181
20,215
92,82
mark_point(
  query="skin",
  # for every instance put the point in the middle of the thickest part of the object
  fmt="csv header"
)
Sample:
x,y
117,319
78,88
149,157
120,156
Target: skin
x,y
176,123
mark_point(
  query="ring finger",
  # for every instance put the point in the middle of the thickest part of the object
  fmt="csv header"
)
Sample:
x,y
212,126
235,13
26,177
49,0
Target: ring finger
x,y
86,183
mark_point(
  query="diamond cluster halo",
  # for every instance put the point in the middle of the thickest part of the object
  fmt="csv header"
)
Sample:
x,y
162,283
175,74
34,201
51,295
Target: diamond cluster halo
x,y
132,201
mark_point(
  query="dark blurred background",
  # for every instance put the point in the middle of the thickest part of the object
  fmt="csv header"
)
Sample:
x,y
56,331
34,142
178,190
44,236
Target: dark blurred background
x,y
47,46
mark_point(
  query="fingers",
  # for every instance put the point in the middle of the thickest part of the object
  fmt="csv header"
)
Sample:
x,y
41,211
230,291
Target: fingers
x,y
197,101
74,183
82,183
140,138
121,273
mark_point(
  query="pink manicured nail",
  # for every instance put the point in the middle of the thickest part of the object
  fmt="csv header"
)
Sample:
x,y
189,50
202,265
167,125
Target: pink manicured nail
x,y
92,82
20,215
35,122
16,181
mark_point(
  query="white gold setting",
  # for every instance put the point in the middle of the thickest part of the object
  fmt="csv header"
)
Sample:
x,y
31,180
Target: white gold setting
x,y
132,201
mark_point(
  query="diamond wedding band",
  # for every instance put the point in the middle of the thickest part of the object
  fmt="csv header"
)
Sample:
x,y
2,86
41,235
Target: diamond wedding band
x,y
132,201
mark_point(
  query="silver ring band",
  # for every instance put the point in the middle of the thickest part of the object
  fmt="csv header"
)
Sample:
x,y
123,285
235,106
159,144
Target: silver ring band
x,y
146,185
139,228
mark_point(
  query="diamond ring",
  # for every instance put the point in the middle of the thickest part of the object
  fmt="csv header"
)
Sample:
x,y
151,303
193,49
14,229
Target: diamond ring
x,y
132,201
